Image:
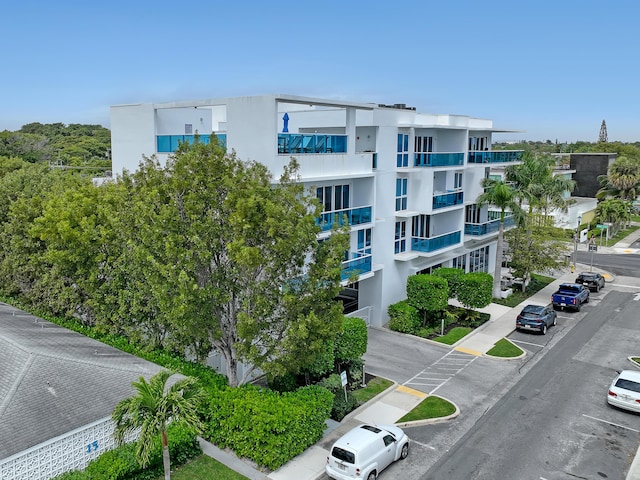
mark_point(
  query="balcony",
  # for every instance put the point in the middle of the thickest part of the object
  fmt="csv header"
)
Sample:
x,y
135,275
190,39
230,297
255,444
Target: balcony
x,y
448,199
170,143
297,143
438,159
349,216
501,156
486,228
359,263
432,244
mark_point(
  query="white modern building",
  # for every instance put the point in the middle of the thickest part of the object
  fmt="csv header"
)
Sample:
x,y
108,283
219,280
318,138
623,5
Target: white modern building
x,y
407,181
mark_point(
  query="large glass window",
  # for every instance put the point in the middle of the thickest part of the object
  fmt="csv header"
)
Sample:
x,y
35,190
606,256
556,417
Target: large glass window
x,y
403,150
364,240
479,260
401,237
420,226
423,144
460,262
334,197
401,194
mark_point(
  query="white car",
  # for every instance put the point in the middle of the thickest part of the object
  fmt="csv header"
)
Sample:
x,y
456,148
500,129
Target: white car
x,y
363,452
624,391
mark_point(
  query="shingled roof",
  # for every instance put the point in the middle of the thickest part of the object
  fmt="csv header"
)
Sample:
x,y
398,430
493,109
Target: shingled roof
x,y
54,380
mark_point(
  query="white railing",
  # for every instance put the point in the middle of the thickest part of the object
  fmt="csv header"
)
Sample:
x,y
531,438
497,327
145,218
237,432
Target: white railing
x,y
364,313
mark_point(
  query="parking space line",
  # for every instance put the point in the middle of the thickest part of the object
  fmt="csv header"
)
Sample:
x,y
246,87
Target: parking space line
x,y
611,423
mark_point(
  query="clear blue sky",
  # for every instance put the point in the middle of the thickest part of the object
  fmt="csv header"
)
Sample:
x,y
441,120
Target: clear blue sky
x,y
553,68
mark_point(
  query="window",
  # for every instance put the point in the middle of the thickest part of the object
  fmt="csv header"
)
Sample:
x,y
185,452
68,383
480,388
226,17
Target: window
x,y
364,240
401,194
420,227
479,260
401,237
472,214
403,150
457,180
423,144
388,440
478,143
460,262
333,197
188,129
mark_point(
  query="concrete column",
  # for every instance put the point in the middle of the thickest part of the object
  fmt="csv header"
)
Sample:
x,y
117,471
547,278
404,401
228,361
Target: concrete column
x,y
351,130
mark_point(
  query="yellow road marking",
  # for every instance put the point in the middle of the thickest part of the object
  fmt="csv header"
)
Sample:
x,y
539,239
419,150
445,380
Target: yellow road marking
x,y
469,351
410,391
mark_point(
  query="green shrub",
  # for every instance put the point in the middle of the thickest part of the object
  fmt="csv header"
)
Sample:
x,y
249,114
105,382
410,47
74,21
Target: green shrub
x,y
427,293
453,277
341,407
351,342
283,383
403,317
354,373
267,427
333,383
476,290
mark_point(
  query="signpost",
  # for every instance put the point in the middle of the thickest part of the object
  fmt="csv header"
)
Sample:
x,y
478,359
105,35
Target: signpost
x,y
343,379
592,248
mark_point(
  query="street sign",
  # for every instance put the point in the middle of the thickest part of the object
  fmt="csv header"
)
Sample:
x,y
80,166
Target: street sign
x,y
593,247
601,227
343,378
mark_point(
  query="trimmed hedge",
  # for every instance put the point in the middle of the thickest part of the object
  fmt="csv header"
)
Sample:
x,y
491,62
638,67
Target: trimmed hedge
x,y
403,317
267,427
476,289
453,276
121,463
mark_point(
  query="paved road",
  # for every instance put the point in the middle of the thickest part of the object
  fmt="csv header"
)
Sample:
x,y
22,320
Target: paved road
x,y
554,423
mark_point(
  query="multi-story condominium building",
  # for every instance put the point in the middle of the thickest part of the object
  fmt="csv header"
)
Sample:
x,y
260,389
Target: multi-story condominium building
x,y
406,181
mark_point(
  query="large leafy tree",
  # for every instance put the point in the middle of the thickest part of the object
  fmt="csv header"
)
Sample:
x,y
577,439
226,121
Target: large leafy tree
x,y
151,409
228,260
501,195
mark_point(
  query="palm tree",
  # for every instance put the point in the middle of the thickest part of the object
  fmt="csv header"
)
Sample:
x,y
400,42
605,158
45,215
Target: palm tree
x,y
501,195
152,408
622,179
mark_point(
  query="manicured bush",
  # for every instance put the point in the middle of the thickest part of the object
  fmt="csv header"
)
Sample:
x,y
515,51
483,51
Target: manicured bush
x,y
453,277
403,317
351,342
342,407
427,294
267,427
476,289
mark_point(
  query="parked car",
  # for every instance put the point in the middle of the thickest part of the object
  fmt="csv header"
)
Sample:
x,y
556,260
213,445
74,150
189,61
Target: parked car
x,y
364,451
570,295
536,317
624,391
594,281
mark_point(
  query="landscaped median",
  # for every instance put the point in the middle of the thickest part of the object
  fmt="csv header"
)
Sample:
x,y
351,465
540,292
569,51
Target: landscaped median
x,y
506,349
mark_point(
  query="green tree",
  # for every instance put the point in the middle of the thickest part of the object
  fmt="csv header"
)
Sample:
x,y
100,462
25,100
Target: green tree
x,y
474,290
152,408
622,179
228,260
501,195
428,294
453,276
532,252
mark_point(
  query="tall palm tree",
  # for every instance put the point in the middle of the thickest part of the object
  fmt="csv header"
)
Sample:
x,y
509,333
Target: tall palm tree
x,y
152,408
501,195
622,179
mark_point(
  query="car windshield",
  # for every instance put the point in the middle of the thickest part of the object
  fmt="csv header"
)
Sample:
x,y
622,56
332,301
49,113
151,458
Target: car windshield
x,y
530,314
628,385
587,277
531,311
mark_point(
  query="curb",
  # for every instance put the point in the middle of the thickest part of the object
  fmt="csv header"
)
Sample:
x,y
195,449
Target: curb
x,y
429,421
524,354
635,364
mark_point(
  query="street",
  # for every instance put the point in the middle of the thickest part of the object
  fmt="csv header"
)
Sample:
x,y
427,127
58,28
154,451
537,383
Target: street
x,y
541,417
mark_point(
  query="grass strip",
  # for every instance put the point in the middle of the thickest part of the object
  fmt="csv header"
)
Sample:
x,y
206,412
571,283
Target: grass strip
x,y
430,407
505,349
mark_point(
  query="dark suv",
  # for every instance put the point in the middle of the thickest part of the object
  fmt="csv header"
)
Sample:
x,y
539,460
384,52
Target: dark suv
x,y
593,280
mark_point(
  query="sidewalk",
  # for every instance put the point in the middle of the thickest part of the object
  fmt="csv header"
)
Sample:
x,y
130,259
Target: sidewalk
x,y
393,405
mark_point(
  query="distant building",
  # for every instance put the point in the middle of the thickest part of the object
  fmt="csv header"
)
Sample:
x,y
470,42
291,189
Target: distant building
x,y
588,167
407,181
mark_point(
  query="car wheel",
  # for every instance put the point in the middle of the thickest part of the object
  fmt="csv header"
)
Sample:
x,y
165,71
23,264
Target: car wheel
x,y
588,298
597,288
405,451
578,307
544,330
372,476
555,307
555,321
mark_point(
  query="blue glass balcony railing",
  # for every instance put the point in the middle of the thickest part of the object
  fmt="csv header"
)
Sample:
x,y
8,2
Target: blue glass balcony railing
x,y
350,216
448,200
290,143
435,243
359,263
501,156
487,227
438,159
170,143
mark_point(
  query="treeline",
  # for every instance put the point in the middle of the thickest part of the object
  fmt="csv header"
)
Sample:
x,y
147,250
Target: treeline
x,y
549,147
71,146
